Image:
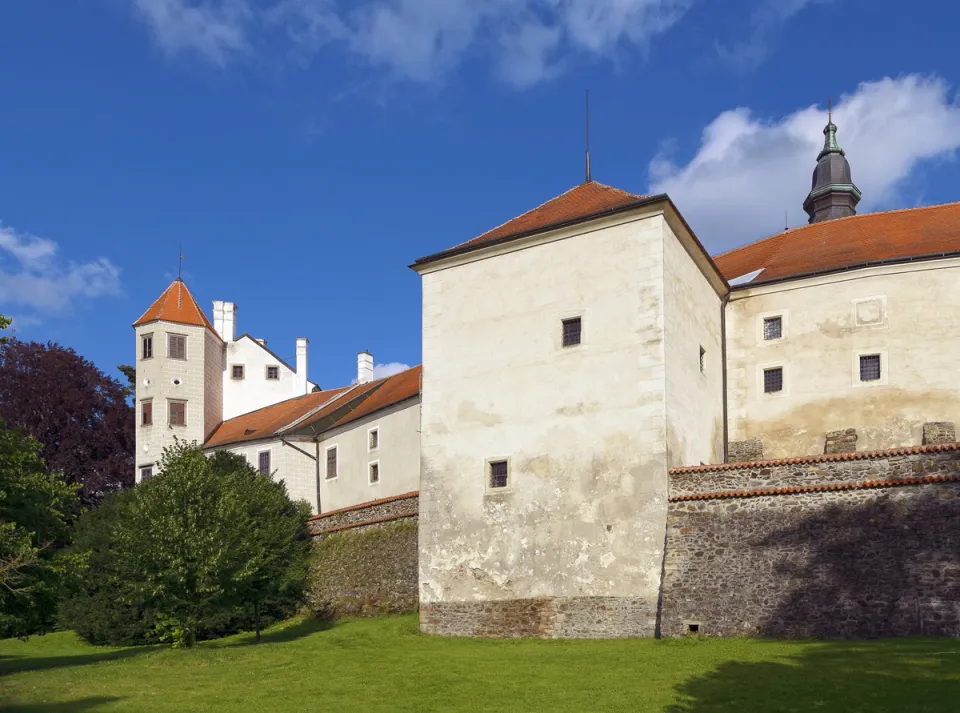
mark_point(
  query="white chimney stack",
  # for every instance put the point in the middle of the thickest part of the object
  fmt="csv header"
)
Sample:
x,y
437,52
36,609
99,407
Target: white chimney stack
x,y
225,320
301,378
364,367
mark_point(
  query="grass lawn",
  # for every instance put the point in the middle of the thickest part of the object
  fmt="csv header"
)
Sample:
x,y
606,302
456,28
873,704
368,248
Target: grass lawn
x,y
386,665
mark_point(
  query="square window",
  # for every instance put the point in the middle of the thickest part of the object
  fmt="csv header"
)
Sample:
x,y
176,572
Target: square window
x,y
273,373
146,413
870,367
374,474
571,332
498,474
178,413
263,462
331,463
236,371
373,439
772,327
146,346
177,346
146,472
773,380
703,353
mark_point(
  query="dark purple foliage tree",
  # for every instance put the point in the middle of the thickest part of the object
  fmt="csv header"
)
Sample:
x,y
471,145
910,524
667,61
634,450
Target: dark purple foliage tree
x,y
79,414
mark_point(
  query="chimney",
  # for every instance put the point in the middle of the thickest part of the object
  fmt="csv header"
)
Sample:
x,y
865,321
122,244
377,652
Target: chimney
x,y
301,380
364,367
225,320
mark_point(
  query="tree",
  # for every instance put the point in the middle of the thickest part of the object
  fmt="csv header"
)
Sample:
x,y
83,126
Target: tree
x,y
79,414
205,548
4,323
35,507
130,372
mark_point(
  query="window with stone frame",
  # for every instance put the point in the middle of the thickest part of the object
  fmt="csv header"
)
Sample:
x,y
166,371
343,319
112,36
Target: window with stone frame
x,y
263,462
146,412
373,476
773,380
572,331
870,367
772,327
178,413
146,346
373,439
146,472
177,346
236,371
499,474
331,463
273,373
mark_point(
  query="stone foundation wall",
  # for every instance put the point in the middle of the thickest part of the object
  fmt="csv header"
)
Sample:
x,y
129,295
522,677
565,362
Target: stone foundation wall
x,y
366,514
854,545
939,432
745,451
844,441
544,617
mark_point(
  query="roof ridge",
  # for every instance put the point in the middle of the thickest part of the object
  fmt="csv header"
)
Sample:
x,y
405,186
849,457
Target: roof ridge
x,y
833,220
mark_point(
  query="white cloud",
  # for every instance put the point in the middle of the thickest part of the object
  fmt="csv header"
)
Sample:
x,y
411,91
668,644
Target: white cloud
x,y
383,370
766,21
215,29
748,170
526,41
32,277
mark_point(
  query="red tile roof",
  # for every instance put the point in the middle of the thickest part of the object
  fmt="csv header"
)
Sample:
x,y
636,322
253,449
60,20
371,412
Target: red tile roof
x,y
819,488
848,242
322,410
177,305
368,504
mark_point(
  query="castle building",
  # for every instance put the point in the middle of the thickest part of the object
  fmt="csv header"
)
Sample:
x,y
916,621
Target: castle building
x,y
575,354
198,382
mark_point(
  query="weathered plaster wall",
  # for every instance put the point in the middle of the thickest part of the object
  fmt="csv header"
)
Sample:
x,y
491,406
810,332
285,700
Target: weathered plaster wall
x,y
398,455
691,321
826,557
155,380
902,312
295,469
582,427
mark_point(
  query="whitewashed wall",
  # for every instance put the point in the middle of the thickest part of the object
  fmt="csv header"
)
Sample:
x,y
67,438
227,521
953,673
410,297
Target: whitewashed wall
x,y
255,390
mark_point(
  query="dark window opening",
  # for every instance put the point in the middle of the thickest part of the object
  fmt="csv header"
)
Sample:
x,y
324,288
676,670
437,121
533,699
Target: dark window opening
x,y
374,439
146,413
703,353
772,327
263,463
571,332
773,380
237,371
870,367
374,472
146,473
273,373
332,463
693,628
147,351
498,474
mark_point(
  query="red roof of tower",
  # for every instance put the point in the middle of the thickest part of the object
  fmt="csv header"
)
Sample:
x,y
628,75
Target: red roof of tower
x,y
177,305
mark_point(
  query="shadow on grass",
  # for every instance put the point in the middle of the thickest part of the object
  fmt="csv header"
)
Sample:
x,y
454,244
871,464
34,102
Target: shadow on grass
x,y
284,634
18,664
920,676
84,704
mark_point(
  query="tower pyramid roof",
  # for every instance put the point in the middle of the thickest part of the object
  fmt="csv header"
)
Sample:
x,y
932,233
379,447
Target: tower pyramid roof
x,y
176,305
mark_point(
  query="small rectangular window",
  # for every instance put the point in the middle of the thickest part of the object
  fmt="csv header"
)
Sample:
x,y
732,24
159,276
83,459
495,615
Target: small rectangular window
x,y
331,463
374,475
498,474
772,327
237,371
571,332
146,472
373,439
870,367
178,413
146,413
273,373
263,463
703,353
177,346
773,380
146,346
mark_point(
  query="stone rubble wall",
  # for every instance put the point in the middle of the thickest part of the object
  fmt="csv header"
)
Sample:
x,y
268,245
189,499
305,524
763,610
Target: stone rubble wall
x,y
366,514
845,546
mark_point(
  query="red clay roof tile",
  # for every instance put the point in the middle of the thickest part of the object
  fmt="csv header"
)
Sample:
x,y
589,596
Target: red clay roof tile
x,y
176,305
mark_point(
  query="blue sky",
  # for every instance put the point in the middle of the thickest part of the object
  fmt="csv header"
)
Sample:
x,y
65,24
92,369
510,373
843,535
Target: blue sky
x,y
304,152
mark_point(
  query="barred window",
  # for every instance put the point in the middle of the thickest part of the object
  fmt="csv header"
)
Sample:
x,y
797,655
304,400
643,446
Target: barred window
x,y
146,346
374,473
237,371
146,413
498,474
773,380
178,413
177,346
703,353
571,332
870,367
331,463
772,327
263,462
273,373
373,439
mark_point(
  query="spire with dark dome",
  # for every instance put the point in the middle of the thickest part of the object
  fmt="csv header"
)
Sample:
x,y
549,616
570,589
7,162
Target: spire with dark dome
x,y
834,194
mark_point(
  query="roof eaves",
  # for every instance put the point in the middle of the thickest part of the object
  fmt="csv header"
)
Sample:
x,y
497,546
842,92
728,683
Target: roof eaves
x,y
265,348
296,422
473,247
